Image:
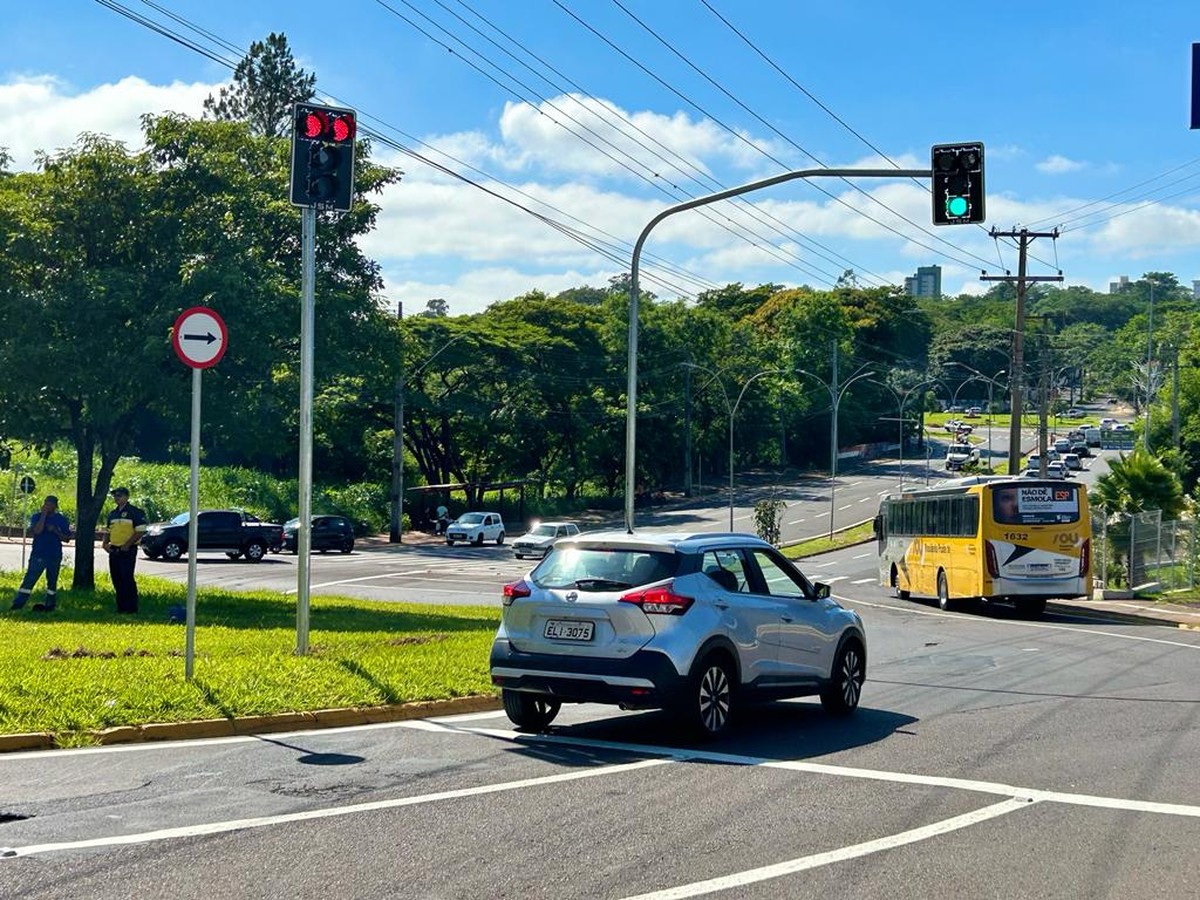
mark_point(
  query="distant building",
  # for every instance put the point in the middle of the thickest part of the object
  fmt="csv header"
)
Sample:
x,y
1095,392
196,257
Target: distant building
x,y
1196,289
926,283
1120,285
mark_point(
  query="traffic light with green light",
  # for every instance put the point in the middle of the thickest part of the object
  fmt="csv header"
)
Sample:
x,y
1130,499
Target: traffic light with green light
x,y
958,197
323,157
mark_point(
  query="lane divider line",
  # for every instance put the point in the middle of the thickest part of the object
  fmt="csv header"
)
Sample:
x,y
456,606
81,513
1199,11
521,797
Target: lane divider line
x,y
854,851
186,831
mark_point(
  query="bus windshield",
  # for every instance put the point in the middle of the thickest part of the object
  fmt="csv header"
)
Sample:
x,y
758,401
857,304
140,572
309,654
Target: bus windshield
x,y
1035,504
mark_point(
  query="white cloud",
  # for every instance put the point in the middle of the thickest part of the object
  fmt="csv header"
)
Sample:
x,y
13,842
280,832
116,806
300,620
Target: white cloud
x,y
62,115
585,136
1059,165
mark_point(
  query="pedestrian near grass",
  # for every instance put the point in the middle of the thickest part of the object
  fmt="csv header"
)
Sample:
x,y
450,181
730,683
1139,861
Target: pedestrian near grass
x,y
126,525
50,530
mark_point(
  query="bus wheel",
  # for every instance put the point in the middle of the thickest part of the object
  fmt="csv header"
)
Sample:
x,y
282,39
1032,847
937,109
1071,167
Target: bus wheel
x,y
900,592
944,592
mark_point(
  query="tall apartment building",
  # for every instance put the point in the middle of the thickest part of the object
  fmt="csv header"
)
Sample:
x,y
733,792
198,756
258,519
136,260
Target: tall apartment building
x,y
926,283
1121,284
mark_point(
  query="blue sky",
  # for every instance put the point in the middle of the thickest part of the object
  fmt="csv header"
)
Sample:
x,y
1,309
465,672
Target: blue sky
x,y
1077,103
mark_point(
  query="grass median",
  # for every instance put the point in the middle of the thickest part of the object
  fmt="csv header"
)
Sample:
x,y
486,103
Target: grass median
x,y
83,668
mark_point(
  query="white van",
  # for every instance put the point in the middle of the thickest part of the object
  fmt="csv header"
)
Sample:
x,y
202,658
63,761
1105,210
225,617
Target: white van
x,y
1091,434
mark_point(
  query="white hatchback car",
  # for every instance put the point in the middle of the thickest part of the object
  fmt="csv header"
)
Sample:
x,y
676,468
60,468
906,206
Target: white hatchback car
x,y
475,528
538,540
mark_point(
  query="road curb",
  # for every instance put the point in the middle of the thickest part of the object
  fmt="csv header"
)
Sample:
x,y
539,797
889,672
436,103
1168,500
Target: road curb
x,y
292,721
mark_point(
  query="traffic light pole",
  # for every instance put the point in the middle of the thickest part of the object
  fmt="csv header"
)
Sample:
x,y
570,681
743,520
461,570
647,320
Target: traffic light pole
x,y
631,392
308,242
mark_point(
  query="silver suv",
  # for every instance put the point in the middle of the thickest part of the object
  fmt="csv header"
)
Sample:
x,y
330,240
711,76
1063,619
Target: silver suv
x,y
694,623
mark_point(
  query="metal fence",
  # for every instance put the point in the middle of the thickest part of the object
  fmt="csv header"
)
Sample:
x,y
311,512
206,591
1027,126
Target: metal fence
x,y
1142,552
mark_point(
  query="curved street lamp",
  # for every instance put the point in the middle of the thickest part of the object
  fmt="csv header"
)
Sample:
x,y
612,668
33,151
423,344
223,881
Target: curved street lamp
x,y
732,408
901,403
395,531
991,382
835,400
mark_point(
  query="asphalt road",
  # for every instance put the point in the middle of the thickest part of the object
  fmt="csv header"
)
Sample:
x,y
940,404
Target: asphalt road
x,y
425,571
992,757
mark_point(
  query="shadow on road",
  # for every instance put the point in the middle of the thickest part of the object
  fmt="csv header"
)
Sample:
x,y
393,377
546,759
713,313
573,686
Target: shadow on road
x,y
784,730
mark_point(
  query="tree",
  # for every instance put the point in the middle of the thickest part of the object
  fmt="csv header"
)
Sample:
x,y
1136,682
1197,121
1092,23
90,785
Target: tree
x,y
436,308
104,249
1138,483
266,83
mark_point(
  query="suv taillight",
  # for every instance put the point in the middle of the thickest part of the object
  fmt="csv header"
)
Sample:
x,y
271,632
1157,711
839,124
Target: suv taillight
x,y
514,591
1085,557
660,600
989,552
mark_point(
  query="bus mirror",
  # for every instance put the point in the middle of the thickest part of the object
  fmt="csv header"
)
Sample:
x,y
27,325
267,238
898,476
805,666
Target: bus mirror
x,y
877,525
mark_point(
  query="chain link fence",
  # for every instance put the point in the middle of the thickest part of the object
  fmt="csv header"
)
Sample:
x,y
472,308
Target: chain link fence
x,y
1142,552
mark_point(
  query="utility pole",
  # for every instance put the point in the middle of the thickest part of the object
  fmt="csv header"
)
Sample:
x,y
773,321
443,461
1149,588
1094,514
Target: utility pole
x,y
687,431
1023,236
1175,396
1043,396
396,525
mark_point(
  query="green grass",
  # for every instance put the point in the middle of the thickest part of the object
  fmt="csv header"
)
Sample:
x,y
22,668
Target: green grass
x,y
83,668
856,535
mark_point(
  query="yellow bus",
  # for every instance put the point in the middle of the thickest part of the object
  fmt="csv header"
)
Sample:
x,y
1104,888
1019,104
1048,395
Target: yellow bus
x,y
1014,540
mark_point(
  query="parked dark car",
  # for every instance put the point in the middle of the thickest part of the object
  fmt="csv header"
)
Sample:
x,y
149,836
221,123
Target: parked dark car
x,y
328,533
230,531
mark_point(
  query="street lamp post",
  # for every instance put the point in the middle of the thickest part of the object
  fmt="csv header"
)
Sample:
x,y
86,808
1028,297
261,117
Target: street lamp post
x,y
396,526
632,349
901,403
991,383
835,400
732,409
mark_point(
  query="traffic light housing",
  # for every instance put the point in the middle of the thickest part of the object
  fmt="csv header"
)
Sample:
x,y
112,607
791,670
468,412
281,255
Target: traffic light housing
x,y
323,156
958,197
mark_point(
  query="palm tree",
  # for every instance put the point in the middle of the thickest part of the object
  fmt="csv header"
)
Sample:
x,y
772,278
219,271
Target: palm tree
x,y
1138,483
1134,484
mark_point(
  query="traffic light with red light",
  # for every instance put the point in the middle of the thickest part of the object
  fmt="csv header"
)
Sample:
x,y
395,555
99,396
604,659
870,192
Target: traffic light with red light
x,y
957,184
323,157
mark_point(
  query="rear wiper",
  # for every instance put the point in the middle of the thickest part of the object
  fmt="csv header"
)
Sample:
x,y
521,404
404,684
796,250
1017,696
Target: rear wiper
x,y
601,584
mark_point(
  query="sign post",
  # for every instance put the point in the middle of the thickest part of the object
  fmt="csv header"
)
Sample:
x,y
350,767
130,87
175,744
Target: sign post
x,y
199,339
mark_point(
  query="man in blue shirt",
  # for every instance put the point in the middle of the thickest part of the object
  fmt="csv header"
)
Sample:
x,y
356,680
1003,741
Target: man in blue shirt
x,y
50,530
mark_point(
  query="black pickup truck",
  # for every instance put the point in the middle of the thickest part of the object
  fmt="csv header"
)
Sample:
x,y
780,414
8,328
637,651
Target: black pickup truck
x,y
231,531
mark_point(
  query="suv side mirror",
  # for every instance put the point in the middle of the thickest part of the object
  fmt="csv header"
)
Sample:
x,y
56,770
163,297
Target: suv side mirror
x,y
822,590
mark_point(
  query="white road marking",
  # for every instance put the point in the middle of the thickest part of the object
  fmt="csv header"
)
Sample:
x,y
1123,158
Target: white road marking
x,y
743,518
863,581
836,578
919,611
803,863
819,515
866,499
862,556
847,506
798,522
822,565
959,784
415,572
167,834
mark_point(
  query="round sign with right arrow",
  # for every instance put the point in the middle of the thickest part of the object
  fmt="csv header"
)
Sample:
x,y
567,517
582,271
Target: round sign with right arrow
x,y
200,337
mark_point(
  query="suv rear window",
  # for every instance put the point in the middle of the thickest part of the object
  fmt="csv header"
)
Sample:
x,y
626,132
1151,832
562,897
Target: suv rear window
x,y
597,569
